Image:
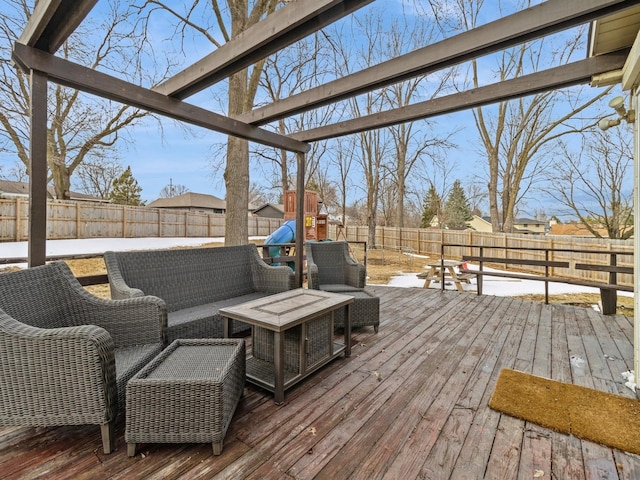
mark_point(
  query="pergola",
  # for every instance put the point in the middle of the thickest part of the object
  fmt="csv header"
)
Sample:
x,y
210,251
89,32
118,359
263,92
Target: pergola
x,y
613,58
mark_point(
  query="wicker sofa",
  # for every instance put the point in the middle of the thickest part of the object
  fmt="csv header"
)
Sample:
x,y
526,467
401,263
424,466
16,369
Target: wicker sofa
x,y
195,283
66,355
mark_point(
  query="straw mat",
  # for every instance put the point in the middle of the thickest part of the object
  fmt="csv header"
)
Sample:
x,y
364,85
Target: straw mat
x,y
601,417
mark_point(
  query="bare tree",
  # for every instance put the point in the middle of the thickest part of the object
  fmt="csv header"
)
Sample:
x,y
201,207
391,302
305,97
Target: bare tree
x,y
388,201
173,190
342,160
287,72
516,135
80,128
17,173
218,23
373,146
437,176
258,195
477,196
96,177
326,188
413,141
595,183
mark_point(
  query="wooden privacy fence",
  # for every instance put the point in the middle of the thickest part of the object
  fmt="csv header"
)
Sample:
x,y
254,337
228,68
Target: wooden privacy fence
x,y
71,220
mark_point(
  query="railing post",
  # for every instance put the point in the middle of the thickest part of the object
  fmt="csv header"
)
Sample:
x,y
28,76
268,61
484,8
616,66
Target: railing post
x,y
609,296
479,277
442,265
546,274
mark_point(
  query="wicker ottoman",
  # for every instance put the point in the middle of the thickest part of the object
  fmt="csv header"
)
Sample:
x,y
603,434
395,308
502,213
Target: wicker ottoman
x,y
365,311
187,394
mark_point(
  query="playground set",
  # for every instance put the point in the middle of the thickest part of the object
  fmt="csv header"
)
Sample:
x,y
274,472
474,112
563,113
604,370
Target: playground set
x,y
280,242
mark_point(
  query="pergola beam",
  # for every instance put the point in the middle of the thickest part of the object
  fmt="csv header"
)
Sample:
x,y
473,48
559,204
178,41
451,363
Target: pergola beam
x,y
53,21
554,78
278,30
548,17
82,78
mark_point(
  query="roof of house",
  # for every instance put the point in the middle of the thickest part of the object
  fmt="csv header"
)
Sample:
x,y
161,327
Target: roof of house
x,y
13,188
520,221
190,200
576,229
276,206
528,221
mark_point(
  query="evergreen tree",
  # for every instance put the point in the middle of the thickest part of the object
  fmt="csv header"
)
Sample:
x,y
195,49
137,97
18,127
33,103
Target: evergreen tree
x,y
456,209
432,206
125,190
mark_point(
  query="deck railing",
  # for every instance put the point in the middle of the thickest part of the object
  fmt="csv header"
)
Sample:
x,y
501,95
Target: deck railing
x,y
547,265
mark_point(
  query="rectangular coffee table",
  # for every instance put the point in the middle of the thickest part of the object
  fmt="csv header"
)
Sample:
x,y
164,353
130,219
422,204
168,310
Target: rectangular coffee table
x,y
292,335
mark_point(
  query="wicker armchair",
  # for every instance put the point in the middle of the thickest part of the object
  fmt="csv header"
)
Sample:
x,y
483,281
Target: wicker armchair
x,y
331,268
65,354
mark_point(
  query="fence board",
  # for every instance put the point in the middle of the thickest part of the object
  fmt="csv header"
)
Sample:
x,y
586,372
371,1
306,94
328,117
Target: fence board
x,y
71,220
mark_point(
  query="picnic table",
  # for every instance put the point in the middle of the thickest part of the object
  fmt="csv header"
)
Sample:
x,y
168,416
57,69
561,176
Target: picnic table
x,y
435,273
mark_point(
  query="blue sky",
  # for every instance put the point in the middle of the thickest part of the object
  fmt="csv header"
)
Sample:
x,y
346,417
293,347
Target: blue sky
x,y
184,157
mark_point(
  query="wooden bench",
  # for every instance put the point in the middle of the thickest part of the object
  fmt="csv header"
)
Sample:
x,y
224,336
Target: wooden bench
x,y
608,291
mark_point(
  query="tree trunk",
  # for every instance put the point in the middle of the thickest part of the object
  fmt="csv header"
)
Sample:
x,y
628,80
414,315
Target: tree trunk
x,y
236,173
401,176
494,212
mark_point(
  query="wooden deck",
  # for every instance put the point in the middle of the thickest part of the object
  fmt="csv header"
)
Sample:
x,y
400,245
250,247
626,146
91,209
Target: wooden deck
x,y
411,402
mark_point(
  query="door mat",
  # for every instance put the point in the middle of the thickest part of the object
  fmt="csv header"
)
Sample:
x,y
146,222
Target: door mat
x,y
600,417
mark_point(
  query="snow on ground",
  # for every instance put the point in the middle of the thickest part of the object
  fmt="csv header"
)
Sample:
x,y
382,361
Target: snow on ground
x,y
491,285
101,245
502,287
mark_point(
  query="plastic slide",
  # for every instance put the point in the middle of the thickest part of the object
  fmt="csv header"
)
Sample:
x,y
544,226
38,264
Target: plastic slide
x,y
286,233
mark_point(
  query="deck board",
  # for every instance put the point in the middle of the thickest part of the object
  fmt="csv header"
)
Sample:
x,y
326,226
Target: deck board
x,y
411,402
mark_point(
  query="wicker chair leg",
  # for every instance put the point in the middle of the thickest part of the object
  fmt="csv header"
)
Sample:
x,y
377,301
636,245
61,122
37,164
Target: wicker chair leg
x,y
217,447
131,449
108,437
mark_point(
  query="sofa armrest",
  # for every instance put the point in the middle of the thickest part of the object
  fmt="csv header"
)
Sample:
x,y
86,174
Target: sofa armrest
x,y
313,278
117,285
131,321
356,274
56,376
268,278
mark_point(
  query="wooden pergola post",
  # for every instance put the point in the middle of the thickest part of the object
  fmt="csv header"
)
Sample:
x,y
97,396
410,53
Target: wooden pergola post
x,y
301,159
37,246
635,102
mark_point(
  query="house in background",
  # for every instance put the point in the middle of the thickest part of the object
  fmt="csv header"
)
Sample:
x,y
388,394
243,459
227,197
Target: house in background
x,y
11,189
530,226
480,224
194,202
270,210
575,229
525,226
